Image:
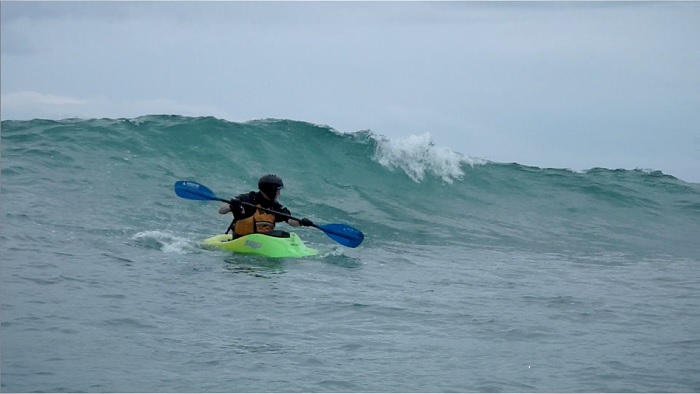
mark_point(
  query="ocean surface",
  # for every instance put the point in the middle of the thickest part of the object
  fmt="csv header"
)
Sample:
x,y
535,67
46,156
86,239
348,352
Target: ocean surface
x,y
474,276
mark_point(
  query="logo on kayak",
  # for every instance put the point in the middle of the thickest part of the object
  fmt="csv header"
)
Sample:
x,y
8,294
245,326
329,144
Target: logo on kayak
x,y
252,244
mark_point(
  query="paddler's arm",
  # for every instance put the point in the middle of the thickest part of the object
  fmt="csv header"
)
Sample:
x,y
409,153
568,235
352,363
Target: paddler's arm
x,y
226,208
294,222
290,221
302,222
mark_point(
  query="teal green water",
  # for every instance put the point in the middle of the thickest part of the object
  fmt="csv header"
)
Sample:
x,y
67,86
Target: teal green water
x,y
473,276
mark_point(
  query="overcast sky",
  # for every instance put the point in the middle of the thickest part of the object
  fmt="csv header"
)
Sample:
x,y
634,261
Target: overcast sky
x,y
568,85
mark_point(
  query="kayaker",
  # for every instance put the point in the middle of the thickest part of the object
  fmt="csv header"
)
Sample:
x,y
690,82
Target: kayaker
x,y
248,220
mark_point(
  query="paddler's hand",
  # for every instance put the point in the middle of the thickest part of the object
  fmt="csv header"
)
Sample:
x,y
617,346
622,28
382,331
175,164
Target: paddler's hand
x,y
306,222
234,204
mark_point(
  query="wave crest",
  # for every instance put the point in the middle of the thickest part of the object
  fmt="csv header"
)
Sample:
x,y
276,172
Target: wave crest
x,y
417,156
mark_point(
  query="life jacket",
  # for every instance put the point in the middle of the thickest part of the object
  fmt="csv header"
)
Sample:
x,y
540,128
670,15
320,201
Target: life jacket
x,y
260,222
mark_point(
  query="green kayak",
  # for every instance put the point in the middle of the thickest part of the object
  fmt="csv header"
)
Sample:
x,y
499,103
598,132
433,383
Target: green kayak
x,y
281,244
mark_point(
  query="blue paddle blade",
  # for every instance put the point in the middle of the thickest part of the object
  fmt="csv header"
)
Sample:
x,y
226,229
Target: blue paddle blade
x,y
343,234
192,190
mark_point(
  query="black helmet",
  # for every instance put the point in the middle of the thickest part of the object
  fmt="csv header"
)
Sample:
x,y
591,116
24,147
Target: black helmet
x,y
269,184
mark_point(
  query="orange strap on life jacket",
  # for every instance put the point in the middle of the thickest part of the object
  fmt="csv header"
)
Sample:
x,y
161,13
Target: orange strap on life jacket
x,y
260,222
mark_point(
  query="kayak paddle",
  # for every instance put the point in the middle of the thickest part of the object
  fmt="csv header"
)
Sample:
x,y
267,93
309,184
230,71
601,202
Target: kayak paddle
x,y
340,233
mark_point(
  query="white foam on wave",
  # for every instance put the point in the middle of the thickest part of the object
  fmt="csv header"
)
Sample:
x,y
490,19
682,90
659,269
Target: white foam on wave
x,y
417,156
166,242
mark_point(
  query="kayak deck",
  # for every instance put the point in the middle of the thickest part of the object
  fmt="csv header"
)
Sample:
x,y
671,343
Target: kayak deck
x,y
263,245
